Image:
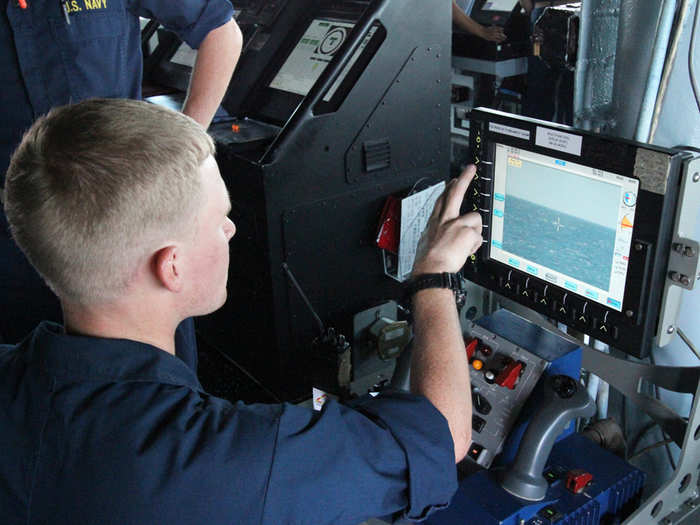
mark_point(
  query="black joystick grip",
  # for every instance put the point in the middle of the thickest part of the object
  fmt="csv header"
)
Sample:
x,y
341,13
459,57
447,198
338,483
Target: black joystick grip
x,y
564,400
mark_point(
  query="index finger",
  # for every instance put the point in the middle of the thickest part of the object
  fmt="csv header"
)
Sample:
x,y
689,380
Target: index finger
x,y
455,196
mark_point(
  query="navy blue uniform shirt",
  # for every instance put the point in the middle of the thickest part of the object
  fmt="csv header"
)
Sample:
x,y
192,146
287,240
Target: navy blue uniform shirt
x,y
117,432
46,62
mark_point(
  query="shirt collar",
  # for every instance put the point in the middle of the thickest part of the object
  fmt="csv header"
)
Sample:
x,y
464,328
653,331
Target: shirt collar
x,y
90,358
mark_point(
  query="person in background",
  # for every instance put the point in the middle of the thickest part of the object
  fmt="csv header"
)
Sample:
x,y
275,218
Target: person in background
x,y
550,90
461,20
58,52
120,206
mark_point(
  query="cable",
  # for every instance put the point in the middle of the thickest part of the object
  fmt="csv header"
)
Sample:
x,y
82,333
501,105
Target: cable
x,y
297,286
682,335
684,146
247,374
650,447
691,53
638,437
670,59
669,455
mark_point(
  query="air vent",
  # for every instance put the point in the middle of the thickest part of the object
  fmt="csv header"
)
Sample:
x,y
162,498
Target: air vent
x,y
377,155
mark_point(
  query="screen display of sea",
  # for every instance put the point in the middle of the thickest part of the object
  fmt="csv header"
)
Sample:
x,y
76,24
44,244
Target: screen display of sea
x,y
563,222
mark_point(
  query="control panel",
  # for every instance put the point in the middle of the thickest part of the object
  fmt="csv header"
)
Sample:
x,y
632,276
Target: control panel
x,y
577,226
585,484
502,377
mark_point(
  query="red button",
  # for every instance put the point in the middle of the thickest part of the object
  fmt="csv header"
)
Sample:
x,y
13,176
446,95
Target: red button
x,y
576,480
471,348
509,375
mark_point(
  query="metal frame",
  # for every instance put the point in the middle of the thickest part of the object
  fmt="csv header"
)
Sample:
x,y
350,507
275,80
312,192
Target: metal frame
x,y
679,497
683,262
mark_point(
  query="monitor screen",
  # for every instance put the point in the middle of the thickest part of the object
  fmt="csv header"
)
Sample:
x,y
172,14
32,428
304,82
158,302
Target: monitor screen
x,y
499,5
311,55
568,224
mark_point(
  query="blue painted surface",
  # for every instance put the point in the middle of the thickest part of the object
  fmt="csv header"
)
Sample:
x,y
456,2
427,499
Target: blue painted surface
x,y
481,501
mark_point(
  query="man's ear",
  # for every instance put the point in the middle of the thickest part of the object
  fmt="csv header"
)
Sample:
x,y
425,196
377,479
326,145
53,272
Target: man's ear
x,y
166,268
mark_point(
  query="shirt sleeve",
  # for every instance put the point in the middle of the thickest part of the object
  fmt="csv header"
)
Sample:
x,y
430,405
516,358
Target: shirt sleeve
x,y
191,20
391,455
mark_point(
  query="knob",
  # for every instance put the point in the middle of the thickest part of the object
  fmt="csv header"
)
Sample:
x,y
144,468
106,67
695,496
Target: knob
x,y
481,405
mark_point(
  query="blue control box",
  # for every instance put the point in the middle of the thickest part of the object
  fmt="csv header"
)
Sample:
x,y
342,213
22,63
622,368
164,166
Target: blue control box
x,y
613,491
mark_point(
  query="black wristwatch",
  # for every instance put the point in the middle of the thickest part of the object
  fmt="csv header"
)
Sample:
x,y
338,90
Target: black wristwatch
x,y
452,281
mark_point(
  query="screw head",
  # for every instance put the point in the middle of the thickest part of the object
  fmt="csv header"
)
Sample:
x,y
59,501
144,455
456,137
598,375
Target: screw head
x,y
670,329
629,313
638,247
696,177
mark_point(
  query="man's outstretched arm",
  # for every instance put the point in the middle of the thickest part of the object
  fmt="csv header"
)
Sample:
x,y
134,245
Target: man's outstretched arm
x,y
216,59
439,367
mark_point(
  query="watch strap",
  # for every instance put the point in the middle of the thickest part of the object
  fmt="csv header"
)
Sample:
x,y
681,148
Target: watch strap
x,y
451,281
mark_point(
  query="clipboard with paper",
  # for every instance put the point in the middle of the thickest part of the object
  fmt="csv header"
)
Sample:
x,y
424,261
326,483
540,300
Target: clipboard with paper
x,y
415,212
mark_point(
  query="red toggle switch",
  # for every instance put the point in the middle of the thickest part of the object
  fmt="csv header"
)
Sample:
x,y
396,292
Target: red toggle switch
x,y
576,480
471,348
509,375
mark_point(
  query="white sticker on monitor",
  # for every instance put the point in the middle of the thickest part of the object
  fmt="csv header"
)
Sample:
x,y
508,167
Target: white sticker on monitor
x,y
559,140
510,131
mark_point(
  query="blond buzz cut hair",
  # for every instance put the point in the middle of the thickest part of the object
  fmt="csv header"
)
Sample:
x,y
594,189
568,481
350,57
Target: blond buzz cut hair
x,y
95,187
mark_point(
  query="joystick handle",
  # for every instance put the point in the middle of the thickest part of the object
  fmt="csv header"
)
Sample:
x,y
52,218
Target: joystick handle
x,y
564,401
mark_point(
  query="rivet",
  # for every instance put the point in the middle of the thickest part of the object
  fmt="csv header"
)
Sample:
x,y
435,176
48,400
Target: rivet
x,y
670,329
696,177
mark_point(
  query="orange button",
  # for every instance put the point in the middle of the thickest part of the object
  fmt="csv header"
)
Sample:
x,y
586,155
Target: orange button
x,y
235,128
477,364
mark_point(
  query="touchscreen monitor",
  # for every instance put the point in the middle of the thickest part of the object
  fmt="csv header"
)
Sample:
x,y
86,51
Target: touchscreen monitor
x,y
565,223
314,51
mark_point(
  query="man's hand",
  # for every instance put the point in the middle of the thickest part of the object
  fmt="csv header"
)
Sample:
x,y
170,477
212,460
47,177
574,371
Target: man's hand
x,y
449,238
493,34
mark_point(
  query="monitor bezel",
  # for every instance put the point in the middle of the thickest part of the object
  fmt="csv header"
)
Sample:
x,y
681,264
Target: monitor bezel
x,y
659,170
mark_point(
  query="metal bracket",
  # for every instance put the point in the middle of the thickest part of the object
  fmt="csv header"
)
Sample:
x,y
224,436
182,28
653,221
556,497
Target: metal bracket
x,y
683,263
627,377
678,500
685,253
680,496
